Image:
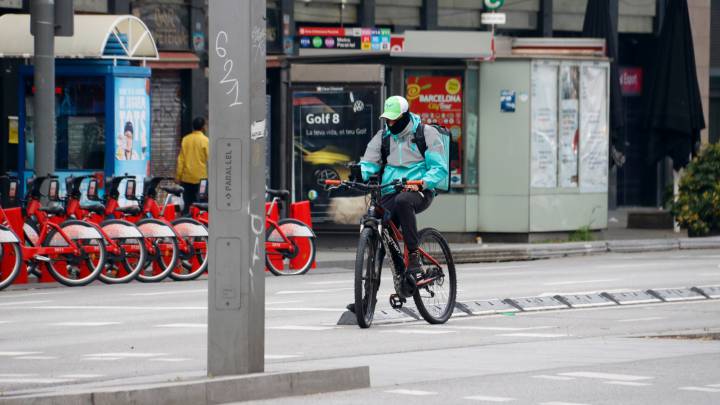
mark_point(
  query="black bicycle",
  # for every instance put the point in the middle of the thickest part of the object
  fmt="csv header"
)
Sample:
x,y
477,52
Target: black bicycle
x,y
434,289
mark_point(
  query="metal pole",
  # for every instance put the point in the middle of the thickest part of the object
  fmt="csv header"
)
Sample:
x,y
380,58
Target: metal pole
x,y
236,285
44,99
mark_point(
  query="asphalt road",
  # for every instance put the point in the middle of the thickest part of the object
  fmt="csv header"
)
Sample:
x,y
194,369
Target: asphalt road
x,y
100,335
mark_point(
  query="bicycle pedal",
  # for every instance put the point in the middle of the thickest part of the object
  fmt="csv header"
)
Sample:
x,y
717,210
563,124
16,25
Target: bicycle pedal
x,y
396,301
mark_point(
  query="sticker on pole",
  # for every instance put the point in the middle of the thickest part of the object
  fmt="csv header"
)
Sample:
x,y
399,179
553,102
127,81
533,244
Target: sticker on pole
x,y
493,18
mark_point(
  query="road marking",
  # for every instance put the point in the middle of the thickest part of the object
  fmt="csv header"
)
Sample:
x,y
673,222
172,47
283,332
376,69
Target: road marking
x,y
101,359
4,322
29,294
150,294
16,375
35,358
9,303
124,355
182,325
81,375
300,327
628,383
607,376
652,318
701,389
283,302
499,328
329,290
418,331
18,353
561,403
714,385
569,282
329,282
33,380
629,265
308,309
535,335
553,377
85,323
171,359
489,399
116,308
281,356
411,392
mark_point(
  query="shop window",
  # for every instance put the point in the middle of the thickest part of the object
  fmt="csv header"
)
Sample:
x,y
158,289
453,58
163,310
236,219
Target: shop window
x,y
80,125
437,97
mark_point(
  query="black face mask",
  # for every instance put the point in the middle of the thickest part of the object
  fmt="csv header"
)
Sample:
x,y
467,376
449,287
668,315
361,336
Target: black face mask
x,y
400,124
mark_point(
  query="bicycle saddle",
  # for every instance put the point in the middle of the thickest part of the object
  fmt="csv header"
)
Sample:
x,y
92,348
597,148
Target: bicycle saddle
x,y
53,210
96,208
202,206
130,210
278,193
174,190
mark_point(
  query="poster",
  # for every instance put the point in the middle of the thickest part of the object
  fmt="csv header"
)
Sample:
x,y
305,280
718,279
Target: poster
x,y
132,126
507,101
569,136
594,131
13,130
439,99
543,143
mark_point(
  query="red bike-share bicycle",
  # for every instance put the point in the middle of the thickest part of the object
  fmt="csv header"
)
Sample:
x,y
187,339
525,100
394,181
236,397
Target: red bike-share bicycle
x,y
72,251
434,289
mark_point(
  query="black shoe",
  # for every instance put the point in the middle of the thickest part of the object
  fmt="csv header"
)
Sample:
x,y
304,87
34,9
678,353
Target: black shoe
x,y
414,266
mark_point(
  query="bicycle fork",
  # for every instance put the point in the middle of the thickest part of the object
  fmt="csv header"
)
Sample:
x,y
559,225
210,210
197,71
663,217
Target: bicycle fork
x,y
398,299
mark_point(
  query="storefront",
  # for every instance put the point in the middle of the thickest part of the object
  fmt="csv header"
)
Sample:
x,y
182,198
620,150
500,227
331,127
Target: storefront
x,y
102,98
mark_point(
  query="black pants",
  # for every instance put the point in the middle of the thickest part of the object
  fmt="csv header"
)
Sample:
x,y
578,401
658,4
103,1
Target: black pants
x,y
403,207
189,195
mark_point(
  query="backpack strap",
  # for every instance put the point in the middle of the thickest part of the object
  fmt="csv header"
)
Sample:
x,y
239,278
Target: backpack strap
x,y
384,150
420,139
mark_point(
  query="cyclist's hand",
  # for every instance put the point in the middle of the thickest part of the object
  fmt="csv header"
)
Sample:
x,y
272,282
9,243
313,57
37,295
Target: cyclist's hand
x,y
415,186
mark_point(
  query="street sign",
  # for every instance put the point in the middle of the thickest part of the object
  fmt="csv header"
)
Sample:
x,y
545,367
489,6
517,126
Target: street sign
x,y
494,4
493,18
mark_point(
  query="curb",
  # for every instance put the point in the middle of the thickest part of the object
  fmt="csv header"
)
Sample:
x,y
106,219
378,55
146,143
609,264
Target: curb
x,y
492,254
212,390
546,303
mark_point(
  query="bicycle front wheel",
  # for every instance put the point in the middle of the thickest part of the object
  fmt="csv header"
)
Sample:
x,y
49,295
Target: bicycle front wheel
x,y
368,264
282,262
437,286
77,270
10,257
129,256
163,251
194,261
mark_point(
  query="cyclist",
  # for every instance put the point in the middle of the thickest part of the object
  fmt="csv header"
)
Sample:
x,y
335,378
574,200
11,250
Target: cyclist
x,y
405,160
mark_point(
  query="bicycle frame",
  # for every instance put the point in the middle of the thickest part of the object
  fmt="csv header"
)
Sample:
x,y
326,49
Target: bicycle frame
x,y
276,247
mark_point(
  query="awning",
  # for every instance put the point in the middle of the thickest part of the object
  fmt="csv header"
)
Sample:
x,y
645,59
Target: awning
x,y
119,37
176,60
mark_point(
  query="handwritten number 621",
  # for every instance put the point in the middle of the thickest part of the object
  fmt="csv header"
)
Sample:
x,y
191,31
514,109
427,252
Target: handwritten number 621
x,y
227,80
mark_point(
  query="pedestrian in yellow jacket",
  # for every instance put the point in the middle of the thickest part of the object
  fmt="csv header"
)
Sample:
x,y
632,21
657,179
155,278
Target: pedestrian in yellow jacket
x,y
192,162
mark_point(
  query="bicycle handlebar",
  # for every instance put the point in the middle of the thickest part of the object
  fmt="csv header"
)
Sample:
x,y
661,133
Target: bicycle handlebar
x,y
334,184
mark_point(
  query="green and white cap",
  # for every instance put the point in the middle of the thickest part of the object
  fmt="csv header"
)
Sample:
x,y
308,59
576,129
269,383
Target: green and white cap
x,y
395,106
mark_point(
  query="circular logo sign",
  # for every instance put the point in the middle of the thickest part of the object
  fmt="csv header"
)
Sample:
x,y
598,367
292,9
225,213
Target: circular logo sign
x,y
317,42
493,4
329,42
452,86
305,42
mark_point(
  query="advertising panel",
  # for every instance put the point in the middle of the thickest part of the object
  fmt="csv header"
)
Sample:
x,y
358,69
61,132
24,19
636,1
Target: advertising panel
x,y
543,143
439,99
594,131
132,127
569,138
365,39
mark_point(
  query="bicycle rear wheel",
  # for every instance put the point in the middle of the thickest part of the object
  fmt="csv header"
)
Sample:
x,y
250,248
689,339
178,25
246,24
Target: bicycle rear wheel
x,y
368,265
123,266
163,251
194,262
437,288
10,257
77,270
282,263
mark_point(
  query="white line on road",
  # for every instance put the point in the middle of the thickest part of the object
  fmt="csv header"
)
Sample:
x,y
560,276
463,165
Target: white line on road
x,y
553,377
28,295
571,282
411,392
418,331
606,376
630,265
150,294
281,356
16,375
125,355
33,380
182,325
18,353
4,322
651,318
499,328
535,335
329,290
171,359
35,358
9,303
714,385
700,389
115,308
101,359
283,302
329,282
301,327
561,403
509,267
486,398
628,383
308,309
85,323
81,376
